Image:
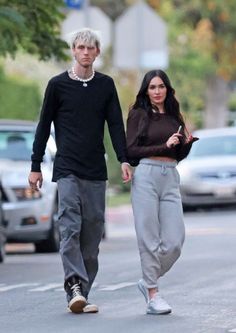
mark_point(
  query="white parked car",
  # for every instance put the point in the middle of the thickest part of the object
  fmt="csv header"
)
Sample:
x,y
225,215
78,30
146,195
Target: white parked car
x,y
208,174
30,216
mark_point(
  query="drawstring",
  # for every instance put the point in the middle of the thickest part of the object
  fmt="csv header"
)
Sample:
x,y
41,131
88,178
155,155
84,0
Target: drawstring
x,y
163,170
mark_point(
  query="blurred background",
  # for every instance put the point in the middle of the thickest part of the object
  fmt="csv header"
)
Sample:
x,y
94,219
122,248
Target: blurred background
x,y
194,41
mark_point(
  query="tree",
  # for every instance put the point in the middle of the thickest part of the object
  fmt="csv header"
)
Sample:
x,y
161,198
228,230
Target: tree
x,y
206,29
33,26
19,99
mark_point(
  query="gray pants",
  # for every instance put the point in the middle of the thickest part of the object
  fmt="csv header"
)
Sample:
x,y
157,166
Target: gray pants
x,y
81,223
158,217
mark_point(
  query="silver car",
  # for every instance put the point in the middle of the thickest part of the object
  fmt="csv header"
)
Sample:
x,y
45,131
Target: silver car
x,y
2,229
208,174
30,216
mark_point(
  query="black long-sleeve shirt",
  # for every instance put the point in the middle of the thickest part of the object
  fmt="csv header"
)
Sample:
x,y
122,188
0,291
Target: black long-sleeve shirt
x,y
160,127
79,114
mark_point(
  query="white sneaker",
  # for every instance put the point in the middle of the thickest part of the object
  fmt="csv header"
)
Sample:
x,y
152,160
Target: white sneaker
x,y
157,305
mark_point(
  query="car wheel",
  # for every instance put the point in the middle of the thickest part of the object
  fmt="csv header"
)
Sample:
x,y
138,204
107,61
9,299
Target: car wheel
x,y
52,243
2,250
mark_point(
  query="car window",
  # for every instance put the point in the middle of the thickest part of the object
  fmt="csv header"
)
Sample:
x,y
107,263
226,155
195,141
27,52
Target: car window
x,y
214,146
15,145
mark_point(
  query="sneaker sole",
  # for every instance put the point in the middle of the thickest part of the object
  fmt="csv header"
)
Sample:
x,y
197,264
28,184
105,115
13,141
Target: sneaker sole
x,y
90,309
164,312
77,304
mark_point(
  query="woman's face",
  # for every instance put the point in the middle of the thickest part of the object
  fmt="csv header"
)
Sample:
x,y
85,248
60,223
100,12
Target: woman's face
x,y
157,91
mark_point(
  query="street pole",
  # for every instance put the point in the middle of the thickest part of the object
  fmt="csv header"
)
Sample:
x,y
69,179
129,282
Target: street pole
x,y
86,7
139,41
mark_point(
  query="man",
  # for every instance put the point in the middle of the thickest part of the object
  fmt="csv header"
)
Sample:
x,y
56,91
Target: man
x,y
78,102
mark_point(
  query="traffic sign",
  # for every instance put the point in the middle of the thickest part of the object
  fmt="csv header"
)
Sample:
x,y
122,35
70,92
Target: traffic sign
x,y
77,4
140,39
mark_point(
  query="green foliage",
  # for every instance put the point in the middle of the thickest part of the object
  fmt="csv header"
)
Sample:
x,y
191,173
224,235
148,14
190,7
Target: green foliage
x,y
125,84
113,166
126,87
202,46
232,103
210,28
33,26
18,100
118,199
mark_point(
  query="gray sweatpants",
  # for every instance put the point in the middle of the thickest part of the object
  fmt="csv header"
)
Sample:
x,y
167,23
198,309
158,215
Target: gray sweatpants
x,y
81,223
158,217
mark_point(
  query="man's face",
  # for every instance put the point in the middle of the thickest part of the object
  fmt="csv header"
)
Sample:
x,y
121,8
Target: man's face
x,y
85,54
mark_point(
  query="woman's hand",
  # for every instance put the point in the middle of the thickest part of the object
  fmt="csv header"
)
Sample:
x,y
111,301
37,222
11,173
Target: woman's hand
x,y
173,140
191,139
126,172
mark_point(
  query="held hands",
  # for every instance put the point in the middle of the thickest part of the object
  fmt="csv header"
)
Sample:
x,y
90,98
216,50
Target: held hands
x,y
190,138
126,172
35,180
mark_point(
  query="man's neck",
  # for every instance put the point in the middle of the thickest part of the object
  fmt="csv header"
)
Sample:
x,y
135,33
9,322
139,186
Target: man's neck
x,y
83,72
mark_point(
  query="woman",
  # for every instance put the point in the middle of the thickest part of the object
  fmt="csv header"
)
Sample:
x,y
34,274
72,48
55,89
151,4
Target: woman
x,y
157,138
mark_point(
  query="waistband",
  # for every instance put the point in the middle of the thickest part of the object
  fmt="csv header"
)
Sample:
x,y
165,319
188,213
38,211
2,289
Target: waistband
x,y
166,164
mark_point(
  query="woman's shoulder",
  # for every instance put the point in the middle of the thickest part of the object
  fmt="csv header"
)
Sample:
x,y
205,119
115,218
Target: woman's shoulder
x,y
137,112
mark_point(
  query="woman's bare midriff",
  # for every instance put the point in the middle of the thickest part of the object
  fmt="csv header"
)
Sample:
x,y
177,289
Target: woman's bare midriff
x,y
162,158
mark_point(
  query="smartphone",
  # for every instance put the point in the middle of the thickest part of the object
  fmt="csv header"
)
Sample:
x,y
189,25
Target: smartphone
x,y
179,129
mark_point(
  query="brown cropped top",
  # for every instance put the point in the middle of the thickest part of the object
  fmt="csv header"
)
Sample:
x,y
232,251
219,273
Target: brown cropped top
x,y
153,142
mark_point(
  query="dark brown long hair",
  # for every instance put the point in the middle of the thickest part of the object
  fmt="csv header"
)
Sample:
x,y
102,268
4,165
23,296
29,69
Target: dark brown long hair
x,y
171,104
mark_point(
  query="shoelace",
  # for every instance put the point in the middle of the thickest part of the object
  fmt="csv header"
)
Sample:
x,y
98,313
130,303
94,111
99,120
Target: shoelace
x,y
76,290
160,300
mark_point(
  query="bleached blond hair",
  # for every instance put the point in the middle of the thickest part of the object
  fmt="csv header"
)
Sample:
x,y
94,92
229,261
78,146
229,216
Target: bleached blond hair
x,y
87,36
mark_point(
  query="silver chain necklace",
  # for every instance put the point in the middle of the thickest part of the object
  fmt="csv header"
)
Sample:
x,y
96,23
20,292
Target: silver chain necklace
x,y
82,80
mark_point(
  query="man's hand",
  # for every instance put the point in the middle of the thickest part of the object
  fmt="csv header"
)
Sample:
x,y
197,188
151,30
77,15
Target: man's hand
x,y
126,172
35,180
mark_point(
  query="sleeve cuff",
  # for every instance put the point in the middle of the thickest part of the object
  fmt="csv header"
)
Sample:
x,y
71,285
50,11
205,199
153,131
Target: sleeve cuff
x,y
35,167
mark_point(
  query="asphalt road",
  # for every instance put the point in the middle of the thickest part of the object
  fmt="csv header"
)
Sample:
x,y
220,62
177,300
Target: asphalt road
x,y
201,287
